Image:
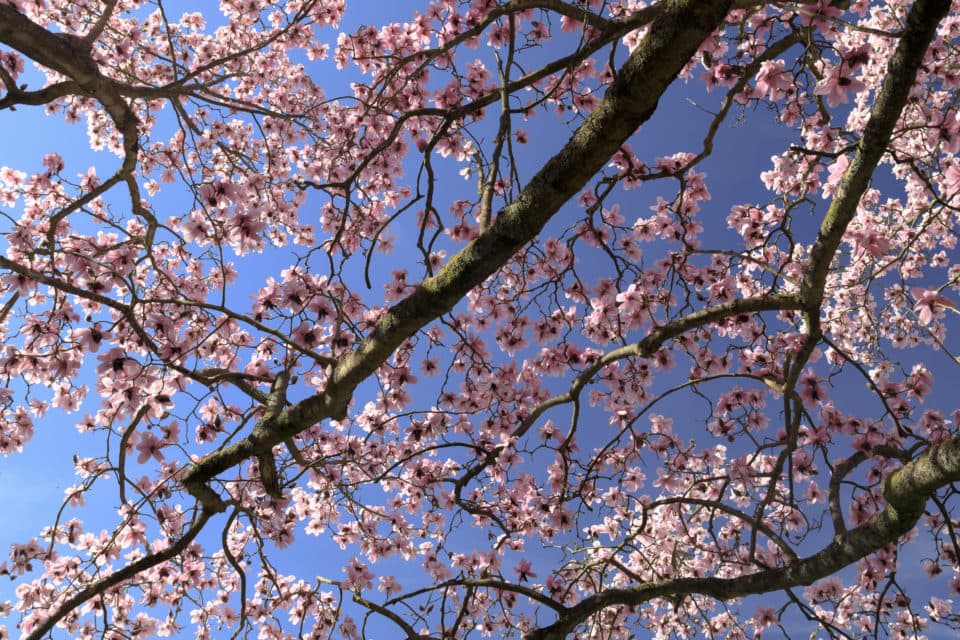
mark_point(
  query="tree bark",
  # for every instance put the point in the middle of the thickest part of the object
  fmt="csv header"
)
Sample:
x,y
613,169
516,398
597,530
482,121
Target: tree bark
x,y
672,40
906,492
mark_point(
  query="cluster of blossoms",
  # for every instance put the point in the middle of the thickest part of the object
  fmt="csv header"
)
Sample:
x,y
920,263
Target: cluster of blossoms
x,y
318,299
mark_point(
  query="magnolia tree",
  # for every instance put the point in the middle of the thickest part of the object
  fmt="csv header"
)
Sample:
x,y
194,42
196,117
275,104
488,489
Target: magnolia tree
x,y
400,330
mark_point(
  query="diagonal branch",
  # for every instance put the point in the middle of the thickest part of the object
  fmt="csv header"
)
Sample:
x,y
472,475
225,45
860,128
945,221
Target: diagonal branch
x,y
672,40
906,492
645,348
127,572
70,55
921,26
908,489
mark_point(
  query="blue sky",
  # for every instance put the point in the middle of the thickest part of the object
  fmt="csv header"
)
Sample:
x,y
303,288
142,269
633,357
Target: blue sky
x,y
33,490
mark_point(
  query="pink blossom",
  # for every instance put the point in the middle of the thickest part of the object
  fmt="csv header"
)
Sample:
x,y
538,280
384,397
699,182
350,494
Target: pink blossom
x,y
772,80
764,618
149,447
929,304
358,576
836,83
523,570
818,14
603,377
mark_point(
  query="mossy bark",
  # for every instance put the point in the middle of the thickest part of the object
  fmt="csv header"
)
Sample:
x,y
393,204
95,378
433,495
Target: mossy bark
x,y
672,40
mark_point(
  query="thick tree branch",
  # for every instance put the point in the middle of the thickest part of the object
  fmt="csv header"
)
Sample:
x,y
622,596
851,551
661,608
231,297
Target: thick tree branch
x,y
629,102
47,343
673,39
94,32
921,26
906,491
70,55
48,94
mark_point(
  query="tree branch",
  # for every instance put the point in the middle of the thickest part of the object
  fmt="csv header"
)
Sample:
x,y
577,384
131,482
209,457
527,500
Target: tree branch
x,y
631,99
127,572
906,491
921,26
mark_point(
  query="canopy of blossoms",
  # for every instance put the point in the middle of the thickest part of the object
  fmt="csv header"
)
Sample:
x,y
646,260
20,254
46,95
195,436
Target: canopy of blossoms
x,y
401,330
